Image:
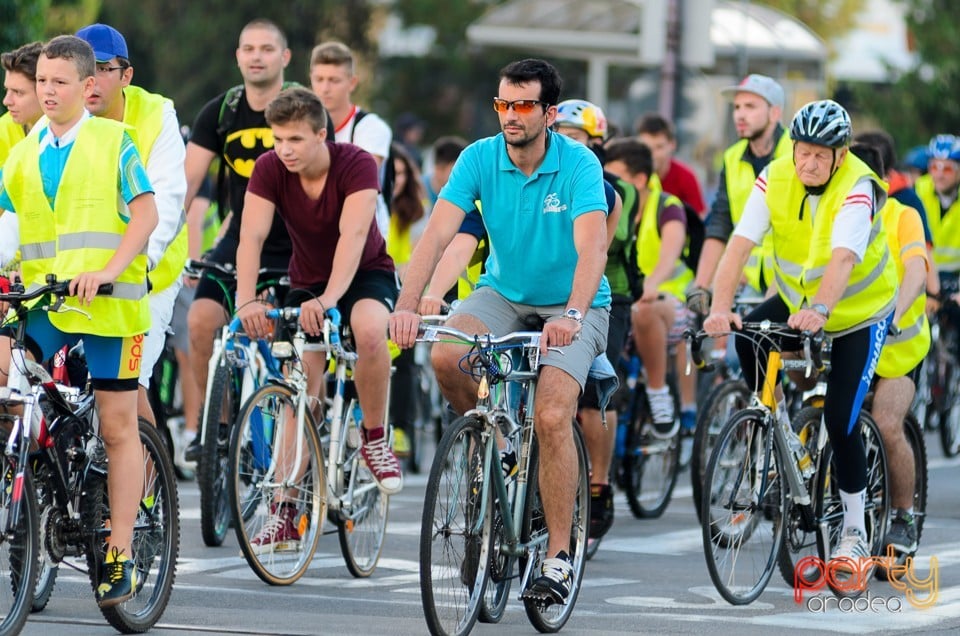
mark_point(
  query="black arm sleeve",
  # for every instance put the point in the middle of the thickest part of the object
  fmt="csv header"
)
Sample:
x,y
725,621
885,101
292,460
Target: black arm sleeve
x,y
719,224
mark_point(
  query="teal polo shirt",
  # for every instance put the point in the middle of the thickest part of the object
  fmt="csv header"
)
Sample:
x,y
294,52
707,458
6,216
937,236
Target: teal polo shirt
x,y
529,220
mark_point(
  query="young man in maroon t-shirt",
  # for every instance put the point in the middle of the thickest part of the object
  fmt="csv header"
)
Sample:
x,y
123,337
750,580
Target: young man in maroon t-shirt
x,y
326,194
676,177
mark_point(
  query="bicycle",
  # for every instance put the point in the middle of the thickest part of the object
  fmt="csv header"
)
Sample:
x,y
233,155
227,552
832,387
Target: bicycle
x,y
58,505
764,481
477,531
237,366
325,477
942,375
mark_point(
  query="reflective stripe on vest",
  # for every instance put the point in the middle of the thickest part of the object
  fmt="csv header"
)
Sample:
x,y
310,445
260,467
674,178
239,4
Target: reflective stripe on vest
x,y
944,227
802,245
740,177
649,244
905,351
90,232
144,112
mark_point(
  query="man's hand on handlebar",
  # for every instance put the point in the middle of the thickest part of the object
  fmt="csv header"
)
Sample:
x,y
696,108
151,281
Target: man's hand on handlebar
x,y
721,322
404,327
86,285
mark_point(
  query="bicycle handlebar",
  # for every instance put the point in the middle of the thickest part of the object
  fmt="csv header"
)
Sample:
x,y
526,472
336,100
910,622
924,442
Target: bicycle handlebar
x,y
19,295
812,342
195,268
430,333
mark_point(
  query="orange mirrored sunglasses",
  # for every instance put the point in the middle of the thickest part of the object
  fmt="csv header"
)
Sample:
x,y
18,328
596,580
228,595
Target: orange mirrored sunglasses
x,y
939,165
520,106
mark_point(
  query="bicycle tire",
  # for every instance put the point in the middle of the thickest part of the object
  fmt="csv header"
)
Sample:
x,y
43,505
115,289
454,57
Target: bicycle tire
x,y
829,509
454,544
651,465
721,402
800,533
47,569
253,451
212,474
744,502
494,601
362,521
156,537
551,619
950,415
19,554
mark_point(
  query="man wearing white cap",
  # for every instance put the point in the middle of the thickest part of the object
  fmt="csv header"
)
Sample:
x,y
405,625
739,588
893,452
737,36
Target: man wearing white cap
x,y
157,138
757,108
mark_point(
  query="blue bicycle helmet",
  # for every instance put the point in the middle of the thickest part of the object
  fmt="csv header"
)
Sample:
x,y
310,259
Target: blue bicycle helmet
x,y
944,147
823,122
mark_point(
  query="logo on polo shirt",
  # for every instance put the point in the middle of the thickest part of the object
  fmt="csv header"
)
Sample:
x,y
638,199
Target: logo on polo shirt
x,y
552,204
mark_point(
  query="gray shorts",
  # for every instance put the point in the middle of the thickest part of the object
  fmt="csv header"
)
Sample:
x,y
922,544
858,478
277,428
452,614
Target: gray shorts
x,y
180,338
502,316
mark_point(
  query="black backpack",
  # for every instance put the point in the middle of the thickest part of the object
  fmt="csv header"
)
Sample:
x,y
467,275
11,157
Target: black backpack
x,y
389,172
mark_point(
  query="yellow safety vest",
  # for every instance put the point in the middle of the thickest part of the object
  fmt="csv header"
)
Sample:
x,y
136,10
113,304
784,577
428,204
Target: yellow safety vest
x,y
468,280
144,112
944,227
802,246
399,243
82,231
10,133
740,179
904,352
649,241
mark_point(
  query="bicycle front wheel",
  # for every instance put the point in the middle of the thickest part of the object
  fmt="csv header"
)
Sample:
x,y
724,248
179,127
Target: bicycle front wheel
x,y
721,402
18,548
156,536
455,540
801,527
362,518
551,618
743,504
277,486
220,415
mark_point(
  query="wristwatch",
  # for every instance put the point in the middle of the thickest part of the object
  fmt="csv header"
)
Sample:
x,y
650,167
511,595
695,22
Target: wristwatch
x,y
821,309
574,314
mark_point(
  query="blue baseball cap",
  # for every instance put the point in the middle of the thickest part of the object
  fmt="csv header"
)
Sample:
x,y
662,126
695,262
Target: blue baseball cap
x,y
107,43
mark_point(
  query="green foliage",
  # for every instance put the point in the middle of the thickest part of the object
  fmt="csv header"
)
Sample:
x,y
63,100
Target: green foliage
x,y
186,49
21,21
830,19
922,102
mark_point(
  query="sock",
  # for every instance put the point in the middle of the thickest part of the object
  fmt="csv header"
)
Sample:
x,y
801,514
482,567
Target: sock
x,y
661,391
853,505
688,408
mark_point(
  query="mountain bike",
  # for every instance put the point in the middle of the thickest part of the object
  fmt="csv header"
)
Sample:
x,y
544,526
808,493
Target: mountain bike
x,y
765,482
237,366
478,533
54,501
285,452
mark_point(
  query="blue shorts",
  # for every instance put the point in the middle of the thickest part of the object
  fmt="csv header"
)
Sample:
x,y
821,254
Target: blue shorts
x,y
113,362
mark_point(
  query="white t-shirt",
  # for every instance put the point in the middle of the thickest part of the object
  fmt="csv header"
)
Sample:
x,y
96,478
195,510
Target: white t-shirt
x,y
851,228
373,135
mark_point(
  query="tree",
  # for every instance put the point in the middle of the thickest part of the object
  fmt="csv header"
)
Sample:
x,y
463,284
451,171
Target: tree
x,y
21,21
830,19
922,102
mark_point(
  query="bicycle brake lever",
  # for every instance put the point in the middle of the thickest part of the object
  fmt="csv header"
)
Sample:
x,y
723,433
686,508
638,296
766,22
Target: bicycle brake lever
x,y
60,308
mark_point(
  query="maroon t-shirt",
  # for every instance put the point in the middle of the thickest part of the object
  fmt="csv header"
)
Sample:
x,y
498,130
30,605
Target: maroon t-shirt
x,y
314,225
681,182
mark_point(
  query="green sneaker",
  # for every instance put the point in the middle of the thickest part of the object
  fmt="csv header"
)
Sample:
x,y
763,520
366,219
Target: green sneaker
x,y
118,580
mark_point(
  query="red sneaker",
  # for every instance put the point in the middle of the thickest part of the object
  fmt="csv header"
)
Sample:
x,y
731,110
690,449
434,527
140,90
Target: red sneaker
x,y
381,461
279,533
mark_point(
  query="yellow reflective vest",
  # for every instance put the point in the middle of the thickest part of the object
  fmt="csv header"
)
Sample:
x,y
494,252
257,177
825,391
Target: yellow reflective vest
x,y
802,246
144,112
739,178
82,231
944,226
10,133
903,353
649,242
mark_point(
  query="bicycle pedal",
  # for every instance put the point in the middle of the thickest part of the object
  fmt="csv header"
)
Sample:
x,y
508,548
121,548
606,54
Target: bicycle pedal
x,y
543,600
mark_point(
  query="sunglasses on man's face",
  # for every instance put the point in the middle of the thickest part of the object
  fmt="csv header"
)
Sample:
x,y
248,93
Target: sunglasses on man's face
x,y
519,106
943,166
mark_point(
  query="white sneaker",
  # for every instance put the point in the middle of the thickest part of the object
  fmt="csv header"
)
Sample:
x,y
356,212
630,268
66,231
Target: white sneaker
x,y
850,550
665,422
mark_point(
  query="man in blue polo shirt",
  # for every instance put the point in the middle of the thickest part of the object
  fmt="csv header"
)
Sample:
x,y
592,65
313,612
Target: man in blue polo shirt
x,y
544,210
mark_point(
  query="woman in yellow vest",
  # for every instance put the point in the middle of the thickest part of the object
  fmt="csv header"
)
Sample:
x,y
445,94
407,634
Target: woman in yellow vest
x,y
834,272
901,360
65,183
406,209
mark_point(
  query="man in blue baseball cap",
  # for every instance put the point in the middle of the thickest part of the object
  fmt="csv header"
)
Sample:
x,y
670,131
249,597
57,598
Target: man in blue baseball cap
x,y
161,146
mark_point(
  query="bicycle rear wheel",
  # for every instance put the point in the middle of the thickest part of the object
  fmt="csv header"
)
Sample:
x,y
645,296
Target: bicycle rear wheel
x,y
19,548
497,592
454,541
551,618
279,513
362,520
950,416
651,465
156,536
801,528
743,504
721,402
220,415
